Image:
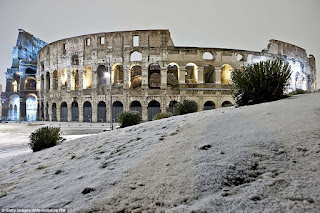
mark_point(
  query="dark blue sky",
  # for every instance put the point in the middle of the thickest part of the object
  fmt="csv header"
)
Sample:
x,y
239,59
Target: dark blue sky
x,y
245,24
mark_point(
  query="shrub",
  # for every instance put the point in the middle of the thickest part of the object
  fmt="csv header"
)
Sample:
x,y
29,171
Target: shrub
x,y
44,137
162,115
129,118
260,82
187,106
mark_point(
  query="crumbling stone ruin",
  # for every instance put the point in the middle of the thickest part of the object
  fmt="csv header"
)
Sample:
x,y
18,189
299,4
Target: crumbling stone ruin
x,y
148,74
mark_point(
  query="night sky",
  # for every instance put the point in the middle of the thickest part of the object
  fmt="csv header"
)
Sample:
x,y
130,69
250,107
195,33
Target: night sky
x,y
245,24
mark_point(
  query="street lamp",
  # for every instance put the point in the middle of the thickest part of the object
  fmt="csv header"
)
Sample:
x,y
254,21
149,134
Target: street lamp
x,y
108,75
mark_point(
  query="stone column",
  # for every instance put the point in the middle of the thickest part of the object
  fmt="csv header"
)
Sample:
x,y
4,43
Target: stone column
x,y
59,82
94,77
50,111
51,82
164,79
144,112
94,111
145,82
218,75
200,75
126,77
69,79
69,111
58,111
80,108
80,79
182,75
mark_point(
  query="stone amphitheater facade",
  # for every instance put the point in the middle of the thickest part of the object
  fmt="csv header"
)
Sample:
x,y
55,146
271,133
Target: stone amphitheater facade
x,y
148,74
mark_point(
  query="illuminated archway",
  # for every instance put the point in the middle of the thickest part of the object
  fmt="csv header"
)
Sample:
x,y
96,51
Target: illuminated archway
x,y
74,81
117,74
135,76
31,108
191,73
64,78
14,111
207,56
55,79
15,83
30,83
226,74
87,77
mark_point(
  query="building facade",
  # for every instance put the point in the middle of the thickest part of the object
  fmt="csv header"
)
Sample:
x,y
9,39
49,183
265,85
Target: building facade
x,y
148,74
20,99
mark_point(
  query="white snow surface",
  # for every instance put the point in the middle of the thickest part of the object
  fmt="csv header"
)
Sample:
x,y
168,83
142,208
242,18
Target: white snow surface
x,y
261,158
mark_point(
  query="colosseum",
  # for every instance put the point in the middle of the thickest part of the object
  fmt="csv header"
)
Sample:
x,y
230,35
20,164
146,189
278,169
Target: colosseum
x,y
83,77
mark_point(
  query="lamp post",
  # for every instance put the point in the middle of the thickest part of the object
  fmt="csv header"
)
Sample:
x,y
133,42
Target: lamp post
x,y
108,75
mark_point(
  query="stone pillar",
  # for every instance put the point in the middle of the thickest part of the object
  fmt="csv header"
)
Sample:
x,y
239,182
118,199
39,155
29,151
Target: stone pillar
x,y
164,79
58,111
69,111
80,79
45,110
69,80
144,112
126,77
182,75
218,75
59,82
50,111
108,108
51,82
44,83
200,75
94,111
80,108
145,76
94,78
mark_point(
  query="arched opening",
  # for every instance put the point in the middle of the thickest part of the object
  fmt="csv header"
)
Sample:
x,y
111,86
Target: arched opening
x,y
117,74
226,104
54,112
101,79
172,108
154,76
117,108
87,112
172,74
87,78
136,76
136,106
64,79
208,74
74,111
14,110
74,83
136,56
153,109
191,73
15,83
47,81
30,83
55,79
64,112
30,71
226,74
102,112
47,111
74,60
42,111
298,81
207,56
209,105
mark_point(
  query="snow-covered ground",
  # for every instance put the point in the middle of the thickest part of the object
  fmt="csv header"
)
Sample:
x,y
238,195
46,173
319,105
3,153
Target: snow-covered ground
x,y
262,158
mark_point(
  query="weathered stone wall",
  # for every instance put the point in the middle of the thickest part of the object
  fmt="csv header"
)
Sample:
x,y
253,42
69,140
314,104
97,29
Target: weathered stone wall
x,y
141,64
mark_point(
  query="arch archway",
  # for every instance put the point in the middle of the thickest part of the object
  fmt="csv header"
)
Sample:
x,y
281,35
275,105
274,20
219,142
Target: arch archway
x,y
64,79
226,74
117,108
54,112
207,56
208,74
87,112
172,107
74,81
153,109
74,111
173,74
209,105
55,79
117,74
135,56
14,111
136,76
64,112
30,83
87,77
102,112
136,106
101,79
15,83
226,104
191,73
47,111
47,81
154,76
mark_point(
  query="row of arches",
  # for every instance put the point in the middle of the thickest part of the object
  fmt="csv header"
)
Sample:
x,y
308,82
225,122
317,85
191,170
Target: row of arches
x,y
153,108
174,76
